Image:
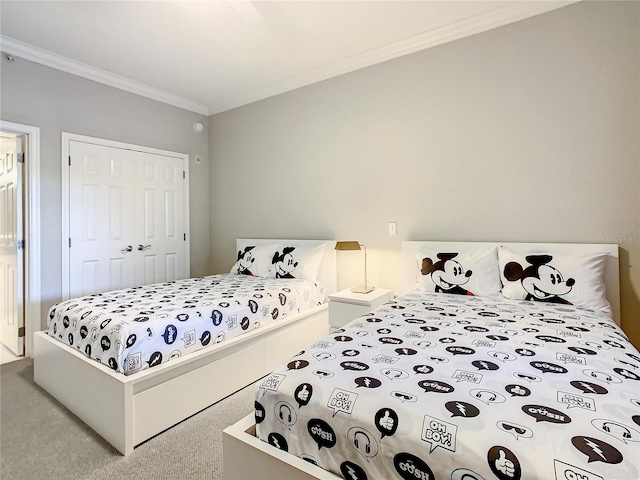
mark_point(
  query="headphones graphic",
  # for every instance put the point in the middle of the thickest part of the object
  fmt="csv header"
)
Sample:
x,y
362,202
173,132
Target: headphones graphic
x,y
281,414
367,447
625,434
492,396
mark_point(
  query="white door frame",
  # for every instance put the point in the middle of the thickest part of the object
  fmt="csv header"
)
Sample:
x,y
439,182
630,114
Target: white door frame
x,y
69,137
32,300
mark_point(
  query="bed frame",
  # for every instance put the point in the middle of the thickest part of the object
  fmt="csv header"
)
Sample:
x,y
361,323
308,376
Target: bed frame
x,y
248,458
127,410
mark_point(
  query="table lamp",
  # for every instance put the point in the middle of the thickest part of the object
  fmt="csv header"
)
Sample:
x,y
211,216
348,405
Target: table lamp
x,y
366,288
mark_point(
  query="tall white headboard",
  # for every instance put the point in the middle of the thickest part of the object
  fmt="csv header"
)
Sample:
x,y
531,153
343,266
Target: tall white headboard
x,y
327,275
611,266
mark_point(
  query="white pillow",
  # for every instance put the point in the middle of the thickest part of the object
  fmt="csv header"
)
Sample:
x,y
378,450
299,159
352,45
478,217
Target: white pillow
x,y
575,279
294,261
254,260
459,271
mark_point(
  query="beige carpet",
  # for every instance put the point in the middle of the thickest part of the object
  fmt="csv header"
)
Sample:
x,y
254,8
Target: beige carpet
x,y
40,439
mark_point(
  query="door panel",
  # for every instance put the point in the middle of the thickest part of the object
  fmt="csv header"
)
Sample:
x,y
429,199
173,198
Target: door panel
x,y
11,257
101,218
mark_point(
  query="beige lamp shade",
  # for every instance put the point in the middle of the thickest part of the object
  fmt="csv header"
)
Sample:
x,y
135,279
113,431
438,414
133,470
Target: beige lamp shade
x,y
352,245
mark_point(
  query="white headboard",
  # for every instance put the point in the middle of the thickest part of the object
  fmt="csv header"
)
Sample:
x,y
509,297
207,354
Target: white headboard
x,y
327,275
611,266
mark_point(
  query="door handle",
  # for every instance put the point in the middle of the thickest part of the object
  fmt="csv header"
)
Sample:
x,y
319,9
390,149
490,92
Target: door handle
x,y
142,248
128,248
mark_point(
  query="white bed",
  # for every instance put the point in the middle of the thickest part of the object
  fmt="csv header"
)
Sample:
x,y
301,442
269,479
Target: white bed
x,y
246,457
127,410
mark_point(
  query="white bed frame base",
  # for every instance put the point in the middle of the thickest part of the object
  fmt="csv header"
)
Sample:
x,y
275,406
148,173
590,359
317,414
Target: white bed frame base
x,y
248,458
127,410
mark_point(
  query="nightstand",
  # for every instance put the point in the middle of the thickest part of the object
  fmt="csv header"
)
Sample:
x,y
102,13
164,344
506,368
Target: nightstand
x,y
345,305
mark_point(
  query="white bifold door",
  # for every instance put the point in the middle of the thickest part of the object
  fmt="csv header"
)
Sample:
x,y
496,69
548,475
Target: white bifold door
x,y
127,218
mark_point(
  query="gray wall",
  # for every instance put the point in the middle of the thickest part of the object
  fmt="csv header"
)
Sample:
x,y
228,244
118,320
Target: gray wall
x,y
58,102
529,132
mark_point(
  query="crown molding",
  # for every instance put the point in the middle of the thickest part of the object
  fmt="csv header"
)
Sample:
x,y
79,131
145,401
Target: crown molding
x,y
510,13
43,57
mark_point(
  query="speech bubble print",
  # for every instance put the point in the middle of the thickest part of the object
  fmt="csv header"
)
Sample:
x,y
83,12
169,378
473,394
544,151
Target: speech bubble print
x,y
628,364
321,433
422,369
303,394
363,333
391,340
527,377
518,431
570,472
410,467
465,474
424,344
388,359
154,359
205,338
447,340
484,365
458,350
354,366
550,339
611,343
435,386
323,373
220,337
588,387
438,359
462,409
350,353
105,343
386,421
582,350
617,430
574,400
272,382
367,382
487,396
352,471
503,463
404,396
285,414
259,412
597,450
216,317
429,329
525,352
343,338
626,373
439,433
547,367
406,351
394,373
569,358
634,356
189,338
297,364
363,442
517,390
342,401
384,331
602,376
498,338
546,414
483,343
276,440
464,376
636,419
502,356
474,328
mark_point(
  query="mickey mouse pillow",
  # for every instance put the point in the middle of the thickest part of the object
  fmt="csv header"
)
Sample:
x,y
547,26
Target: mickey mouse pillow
x,y
289,261
538,276
254,260
461,272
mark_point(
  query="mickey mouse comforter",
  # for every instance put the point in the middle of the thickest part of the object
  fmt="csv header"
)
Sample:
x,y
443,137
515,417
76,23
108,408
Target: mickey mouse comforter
x,y
138,328
446,387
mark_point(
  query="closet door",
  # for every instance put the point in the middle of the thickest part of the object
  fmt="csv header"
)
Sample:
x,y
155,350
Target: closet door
x,y
160,233
126,216
101,218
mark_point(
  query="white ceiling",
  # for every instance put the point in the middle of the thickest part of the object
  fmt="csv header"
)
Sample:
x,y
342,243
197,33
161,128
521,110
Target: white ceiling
x,y
210,56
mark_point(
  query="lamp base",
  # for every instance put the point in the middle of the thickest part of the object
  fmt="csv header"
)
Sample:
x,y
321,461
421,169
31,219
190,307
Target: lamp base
x,y
363,289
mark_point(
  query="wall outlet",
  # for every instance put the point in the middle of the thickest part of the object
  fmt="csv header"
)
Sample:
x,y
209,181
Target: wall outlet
x,y
393,228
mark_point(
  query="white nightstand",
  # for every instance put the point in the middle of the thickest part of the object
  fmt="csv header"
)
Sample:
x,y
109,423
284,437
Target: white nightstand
x,y
345,305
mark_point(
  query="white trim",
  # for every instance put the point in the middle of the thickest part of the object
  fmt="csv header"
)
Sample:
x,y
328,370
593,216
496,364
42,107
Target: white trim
x,y
49,59
67,138
509,13
32,322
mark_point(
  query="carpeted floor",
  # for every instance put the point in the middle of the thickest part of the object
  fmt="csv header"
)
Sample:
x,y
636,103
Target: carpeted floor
x,y
41,440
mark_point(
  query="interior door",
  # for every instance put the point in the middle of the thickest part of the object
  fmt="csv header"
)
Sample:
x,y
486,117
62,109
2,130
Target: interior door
x,y
160,237
11,252
101,218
